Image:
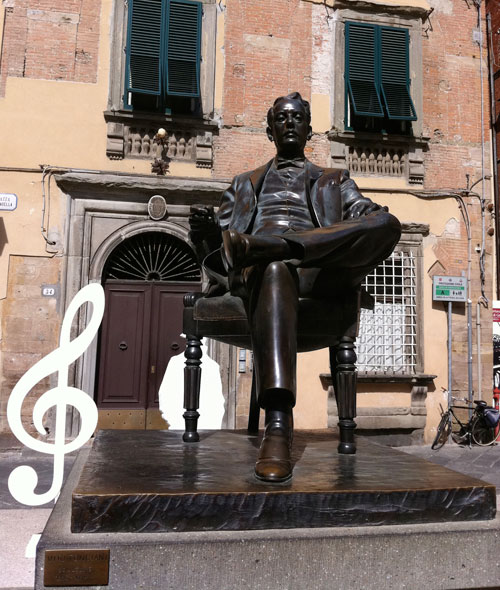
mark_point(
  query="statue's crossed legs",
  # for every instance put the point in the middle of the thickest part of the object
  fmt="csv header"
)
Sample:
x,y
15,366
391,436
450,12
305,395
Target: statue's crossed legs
x,y
276,270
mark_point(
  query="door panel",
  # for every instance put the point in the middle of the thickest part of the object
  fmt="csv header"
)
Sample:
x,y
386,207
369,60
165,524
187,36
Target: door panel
x,y
123,365
166,341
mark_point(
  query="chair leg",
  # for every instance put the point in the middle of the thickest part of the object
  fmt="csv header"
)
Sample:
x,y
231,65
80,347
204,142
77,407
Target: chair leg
x,y
344,376
254,413
192,382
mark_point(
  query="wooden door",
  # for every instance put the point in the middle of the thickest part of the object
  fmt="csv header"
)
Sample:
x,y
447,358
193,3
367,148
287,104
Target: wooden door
x,y
140,333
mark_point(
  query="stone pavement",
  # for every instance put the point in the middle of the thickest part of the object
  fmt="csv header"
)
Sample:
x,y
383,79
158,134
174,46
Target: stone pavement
x,y
19,524
481,462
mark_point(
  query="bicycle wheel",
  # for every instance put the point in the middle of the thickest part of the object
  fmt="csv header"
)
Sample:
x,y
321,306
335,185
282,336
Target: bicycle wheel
x,y
443,432
482,433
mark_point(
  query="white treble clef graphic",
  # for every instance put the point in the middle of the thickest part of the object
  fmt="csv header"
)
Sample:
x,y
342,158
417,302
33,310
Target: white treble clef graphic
x,y
23,480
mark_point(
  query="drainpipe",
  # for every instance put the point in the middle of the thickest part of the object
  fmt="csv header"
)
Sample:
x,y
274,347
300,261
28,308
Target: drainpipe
x,y
465,215
479,365
491,63
483,300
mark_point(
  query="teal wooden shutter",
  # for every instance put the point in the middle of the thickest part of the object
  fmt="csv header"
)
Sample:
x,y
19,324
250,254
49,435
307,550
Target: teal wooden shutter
x,y
395,76
144,47
362,69
183,48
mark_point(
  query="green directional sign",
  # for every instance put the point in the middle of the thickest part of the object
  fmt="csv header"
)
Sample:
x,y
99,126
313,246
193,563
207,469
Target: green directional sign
x,y
446,288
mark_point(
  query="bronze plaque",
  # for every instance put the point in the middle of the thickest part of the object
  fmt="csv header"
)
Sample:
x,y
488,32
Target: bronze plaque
x,y
76,567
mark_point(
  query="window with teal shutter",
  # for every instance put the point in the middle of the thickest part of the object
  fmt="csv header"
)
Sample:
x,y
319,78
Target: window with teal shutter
x,y
163,53
362,75
394,73
144,47
377,77
183,48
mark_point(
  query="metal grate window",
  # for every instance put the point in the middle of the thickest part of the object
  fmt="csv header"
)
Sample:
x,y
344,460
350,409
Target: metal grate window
x,y
387,340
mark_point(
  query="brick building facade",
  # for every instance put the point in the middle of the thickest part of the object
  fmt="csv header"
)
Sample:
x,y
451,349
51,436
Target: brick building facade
x,y
77,152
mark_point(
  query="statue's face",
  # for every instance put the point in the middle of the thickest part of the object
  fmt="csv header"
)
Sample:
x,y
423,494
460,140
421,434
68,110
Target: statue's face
x,y
290,130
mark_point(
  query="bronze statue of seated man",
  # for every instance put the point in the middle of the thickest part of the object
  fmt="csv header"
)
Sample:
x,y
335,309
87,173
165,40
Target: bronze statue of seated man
x,y
289,229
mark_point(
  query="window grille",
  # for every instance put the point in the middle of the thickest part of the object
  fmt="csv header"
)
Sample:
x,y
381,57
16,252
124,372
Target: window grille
x,y
387,340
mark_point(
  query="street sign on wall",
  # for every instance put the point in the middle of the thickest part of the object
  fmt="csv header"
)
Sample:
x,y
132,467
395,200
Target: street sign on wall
x,y
8,201
449,288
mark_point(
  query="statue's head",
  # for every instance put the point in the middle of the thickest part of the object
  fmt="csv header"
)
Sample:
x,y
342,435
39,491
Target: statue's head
x,y
289,124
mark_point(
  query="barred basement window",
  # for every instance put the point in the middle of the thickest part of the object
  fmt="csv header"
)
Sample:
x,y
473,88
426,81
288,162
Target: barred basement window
x,y
387,340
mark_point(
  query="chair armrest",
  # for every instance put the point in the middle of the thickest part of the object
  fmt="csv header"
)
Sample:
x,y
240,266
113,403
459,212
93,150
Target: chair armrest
x,y
190,299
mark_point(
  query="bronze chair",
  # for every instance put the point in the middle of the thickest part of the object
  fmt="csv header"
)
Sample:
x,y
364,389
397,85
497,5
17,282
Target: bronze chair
x,y
322,323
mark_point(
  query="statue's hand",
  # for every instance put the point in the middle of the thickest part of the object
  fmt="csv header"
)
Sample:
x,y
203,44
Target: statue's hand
x,y
205,232
202,220
363,207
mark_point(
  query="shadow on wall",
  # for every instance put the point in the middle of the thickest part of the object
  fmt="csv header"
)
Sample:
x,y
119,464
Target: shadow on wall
x,y
3,235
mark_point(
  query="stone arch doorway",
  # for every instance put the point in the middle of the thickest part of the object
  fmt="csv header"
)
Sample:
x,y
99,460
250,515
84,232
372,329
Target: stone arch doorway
x,y
145,278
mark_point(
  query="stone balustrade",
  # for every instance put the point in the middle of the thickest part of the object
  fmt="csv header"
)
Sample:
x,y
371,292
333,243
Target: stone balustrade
x,y
382,155
130,136
368,160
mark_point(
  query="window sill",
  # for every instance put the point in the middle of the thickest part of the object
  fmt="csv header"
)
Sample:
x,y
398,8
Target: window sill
x,y
386,418
163,119
382,419
420,379
130,135
378,137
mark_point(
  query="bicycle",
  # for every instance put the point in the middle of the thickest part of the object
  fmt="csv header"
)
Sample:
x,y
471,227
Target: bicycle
x,y
480,429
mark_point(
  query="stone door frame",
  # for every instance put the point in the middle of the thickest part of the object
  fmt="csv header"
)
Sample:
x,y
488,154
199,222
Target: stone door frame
x,y
102,211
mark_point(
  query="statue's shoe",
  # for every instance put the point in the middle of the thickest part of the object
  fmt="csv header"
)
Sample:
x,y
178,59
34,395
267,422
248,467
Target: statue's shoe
x,y
274,462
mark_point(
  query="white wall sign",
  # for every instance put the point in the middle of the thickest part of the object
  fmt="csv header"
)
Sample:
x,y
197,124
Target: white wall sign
x,y
23,479
449,288
50,291
8,201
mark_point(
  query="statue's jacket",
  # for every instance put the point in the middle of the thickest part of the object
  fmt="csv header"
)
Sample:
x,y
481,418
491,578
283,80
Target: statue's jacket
x,y
330,195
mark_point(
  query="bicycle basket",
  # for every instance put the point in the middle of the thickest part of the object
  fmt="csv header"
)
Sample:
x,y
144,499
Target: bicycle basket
x,y
491,416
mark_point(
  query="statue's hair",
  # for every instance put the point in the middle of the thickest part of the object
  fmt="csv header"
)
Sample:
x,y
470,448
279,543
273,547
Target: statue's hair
x,y
292,96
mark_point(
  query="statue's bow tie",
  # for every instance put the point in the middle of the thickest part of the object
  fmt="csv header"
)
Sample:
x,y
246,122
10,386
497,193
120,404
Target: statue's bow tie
x,y
285,162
